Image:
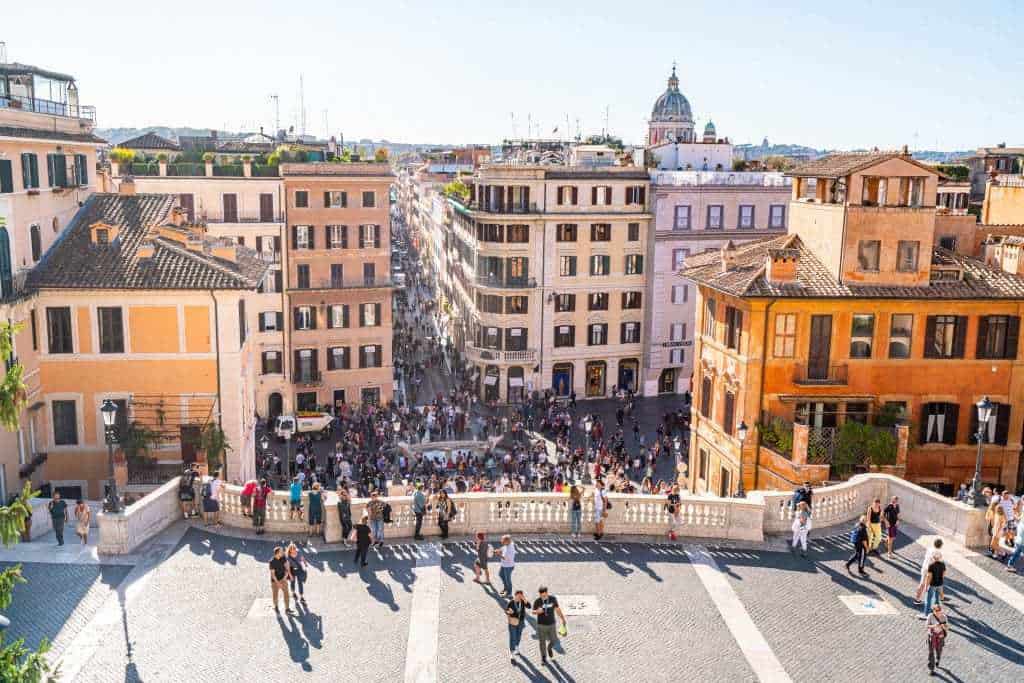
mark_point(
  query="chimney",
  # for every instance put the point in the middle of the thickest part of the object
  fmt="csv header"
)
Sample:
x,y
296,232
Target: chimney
x,y
145,250
127,187
905,151
194,244
781,265
728,256
178,217
225,252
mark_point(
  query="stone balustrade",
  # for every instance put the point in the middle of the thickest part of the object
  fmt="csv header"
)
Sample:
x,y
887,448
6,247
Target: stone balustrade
x,y
748,519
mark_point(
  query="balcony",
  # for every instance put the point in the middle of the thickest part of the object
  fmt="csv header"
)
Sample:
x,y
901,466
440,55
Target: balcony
x,y
269,256
365,283
506,283
813,375
516,208
246,218
307,378
38,106
476,353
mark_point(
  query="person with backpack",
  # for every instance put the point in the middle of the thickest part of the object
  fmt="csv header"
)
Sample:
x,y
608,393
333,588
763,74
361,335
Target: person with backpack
x,y
936,575
937,628
261,494
801,527
186,492
859,539
363,538
929,557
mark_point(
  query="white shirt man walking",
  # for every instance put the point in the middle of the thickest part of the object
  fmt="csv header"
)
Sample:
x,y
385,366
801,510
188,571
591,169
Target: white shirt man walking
x,y
507,553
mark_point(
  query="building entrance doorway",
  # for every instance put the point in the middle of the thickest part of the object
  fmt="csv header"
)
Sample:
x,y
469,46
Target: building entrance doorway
x,y
561,379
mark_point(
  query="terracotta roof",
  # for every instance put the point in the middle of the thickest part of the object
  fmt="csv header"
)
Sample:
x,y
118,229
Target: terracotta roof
x,y
13,132
813,280
845,163
74,261
151,141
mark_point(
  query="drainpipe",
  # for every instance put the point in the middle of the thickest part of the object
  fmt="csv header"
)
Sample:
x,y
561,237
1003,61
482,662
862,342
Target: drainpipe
x,y
760,392
543,282
216,342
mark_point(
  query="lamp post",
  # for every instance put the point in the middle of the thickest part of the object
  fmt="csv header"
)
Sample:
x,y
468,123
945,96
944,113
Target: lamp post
x,y
741,433
588,424
974,498
264,447
109,412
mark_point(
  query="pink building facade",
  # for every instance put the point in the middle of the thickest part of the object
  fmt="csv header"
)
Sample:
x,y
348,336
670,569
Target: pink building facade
x,y
697,211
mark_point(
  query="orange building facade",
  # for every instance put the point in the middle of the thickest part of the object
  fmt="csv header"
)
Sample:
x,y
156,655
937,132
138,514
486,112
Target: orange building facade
x,y
855,315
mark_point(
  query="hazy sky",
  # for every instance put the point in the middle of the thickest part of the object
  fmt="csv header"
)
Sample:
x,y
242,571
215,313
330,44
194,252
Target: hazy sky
x,y
950,74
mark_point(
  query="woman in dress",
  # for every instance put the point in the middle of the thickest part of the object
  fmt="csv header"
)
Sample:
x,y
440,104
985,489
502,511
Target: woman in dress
x,y
83,515
445,511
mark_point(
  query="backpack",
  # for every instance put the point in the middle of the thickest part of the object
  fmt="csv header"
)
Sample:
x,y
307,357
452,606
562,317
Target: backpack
x,y
386,513
207,491
854,532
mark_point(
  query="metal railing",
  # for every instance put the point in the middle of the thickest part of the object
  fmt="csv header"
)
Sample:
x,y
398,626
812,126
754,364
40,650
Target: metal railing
x,y
481,354
247,218
269,256
307,377
39,106
829,374
152,475
515,208
364,283
506,283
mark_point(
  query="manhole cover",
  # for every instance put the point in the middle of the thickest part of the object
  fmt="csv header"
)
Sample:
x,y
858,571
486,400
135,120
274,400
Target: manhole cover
x,y
867,605
579,605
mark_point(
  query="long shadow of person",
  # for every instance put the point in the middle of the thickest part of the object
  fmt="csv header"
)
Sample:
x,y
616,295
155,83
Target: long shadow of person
x,y
378,590
562,673
312,626
298,648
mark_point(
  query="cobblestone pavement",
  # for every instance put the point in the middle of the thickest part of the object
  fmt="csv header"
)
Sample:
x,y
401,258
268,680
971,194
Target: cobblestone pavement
x,y
204,614
59,600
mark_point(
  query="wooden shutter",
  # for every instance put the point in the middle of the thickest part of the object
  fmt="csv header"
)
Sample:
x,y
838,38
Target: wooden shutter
x,y
26,170
295,237
49,170
296,365
82,167
344,315
923,436
1012,335
376,313
929,338
575,195
330,357
312,237
60,170
362,356
327,199
1002,424
280,320
593,195
376,237
295,319
728,414
312,317
259,243
960,337
737,317
278,281
952,417
277,244
558,196
608,195
622,332
6,176
980,351
643,196
362,316
262,326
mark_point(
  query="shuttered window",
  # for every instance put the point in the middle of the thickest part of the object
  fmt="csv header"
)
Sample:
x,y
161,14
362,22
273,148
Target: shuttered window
x,y
997,430
939,422
997,336
944,336
58,328
6,176
111,328
30,170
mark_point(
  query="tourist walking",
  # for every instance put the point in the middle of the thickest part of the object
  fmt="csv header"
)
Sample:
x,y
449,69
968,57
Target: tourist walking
x,y
891,515
1018,547
260,495
859,538
937,628
211,500
601,507
575,511
297,572
483,554
344,512
516,613
936,573
315,513
801,527
375,512
929,556
545,607
419,508
279,576
673,507
83,515
363,535
507,555
58,516
874,515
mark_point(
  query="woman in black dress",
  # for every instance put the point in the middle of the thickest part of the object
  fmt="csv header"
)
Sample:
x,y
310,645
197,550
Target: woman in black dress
x,y
362,539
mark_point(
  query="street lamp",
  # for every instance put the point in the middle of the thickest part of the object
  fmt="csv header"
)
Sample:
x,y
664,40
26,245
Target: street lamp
x,y
109,412
974,498
587,425
741,433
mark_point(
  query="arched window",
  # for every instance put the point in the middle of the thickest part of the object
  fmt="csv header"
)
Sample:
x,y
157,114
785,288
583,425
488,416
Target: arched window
x,y
37,242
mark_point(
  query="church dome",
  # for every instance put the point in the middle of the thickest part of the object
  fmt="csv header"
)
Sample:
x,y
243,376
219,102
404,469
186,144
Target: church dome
x,y
672,105
710,128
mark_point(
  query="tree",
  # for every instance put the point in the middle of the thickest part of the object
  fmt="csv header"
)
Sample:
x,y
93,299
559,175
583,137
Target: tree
x,y
381,154
18,663
457,190
214,442
739,165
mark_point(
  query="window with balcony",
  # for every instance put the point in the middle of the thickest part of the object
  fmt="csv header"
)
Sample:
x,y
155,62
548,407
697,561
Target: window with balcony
x,y
338,358
369,315
862,335
600,232
597,334
306,365
906,256
632,300
565,335
488,303
369,200
515,339
565,232
867,255
600,264
636,194
65,423
490,338
518,234
301,199
633,232
302,276
681,220
337,276
777,216
518,269
677,332
746,217
939,422
334,199
302,237
680,294
567,266
370,356
945,336
565,303
369,237
997,336
304,318
271,363
716,217
490,232
369,274
516,305
337,316
58,329
629,333
709,318
733,327
785,335
634,264
597,301
901,325
337,237
111,329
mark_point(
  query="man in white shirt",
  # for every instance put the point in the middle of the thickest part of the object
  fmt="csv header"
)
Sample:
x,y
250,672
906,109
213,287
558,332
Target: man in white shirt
x,y
929,556
600,507
507,553
1006,502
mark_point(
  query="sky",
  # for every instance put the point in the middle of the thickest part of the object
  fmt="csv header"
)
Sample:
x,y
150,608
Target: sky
x,y
946,75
